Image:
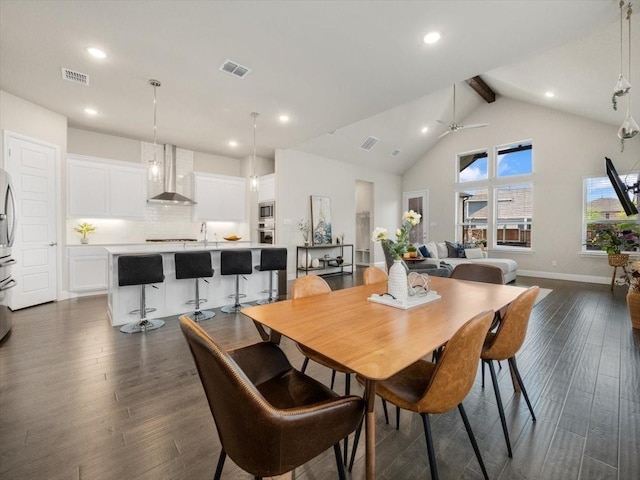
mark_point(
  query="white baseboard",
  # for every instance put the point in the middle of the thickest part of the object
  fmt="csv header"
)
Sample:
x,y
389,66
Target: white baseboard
x,y
565,276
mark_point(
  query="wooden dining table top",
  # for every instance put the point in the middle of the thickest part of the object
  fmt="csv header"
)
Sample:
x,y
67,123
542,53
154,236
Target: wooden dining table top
x,y
376,340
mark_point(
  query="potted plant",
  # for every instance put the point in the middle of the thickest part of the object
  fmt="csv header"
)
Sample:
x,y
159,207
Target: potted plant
x,y
85,229
633,296
616,239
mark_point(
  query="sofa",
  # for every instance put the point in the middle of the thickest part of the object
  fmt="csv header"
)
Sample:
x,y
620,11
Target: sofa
x,y
454,254
429,267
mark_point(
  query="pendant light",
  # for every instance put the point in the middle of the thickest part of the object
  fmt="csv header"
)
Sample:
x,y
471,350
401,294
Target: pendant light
x,y
622,86
629,127
254,181
155,165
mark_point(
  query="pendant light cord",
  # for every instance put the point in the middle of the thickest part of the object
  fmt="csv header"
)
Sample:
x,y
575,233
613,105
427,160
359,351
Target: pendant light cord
x,y
621,55
629,12
253,165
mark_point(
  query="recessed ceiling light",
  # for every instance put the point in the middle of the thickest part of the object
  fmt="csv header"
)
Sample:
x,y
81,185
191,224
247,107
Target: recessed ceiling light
x,y
549,94
96,52
90,111
284,118
233,143
424,129
431,37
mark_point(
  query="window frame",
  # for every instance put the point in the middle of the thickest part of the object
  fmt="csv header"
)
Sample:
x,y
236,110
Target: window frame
x,y
491,185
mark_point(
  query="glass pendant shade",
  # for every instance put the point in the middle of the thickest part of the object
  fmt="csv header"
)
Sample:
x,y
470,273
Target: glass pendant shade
x,y
622,87
254,183
629,128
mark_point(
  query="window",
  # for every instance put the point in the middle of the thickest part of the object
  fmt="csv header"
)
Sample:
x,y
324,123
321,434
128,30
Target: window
x,y
603,209
496,197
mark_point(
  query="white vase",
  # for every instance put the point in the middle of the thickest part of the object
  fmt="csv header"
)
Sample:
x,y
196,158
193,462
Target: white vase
x,y
397,285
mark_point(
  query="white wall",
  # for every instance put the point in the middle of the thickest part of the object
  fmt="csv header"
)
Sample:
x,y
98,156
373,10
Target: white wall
x,y
566,148
300,175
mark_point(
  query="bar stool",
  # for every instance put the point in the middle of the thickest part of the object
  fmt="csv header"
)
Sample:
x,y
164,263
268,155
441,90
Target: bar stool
x,y
271,260
140,270
235,262
195,265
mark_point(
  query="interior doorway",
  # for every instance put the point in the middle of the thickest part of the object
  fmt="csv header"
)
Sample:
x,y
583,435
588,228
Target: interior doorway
x,y
418,201
364,215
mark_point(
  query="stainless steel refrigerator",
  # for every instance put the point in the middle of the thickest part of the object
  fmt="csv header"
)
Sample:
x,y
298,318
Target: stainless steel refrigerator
x,y
7,234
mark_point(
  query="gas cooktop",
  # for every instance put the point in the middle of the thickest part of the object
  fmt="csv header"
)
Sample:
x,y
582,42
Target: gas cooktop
x,y
171,240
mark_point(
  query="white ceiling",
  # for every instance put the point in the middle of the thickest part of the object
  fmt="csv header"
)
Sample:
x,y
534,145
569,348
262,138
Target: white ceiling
x,y
356,67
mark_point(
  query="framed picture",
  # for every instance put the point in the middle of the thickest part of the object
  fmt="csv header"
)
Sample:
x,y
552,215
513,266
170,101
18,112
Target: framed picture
x,y
321,220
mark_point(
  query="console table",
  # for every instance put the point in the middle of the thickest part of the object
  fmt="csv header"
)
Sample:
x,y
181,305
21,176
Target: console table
x,y
327,257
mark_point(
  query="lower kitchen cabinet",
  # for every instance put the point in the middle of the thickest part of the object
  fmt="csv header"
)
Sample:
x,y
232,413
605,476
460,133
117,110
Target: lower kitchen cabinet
x,y
88,269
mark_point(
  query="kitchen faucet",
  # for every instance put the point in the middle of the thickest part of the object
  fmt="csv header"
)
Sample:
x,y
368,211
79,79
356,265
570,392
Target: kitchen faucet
x,y
203,229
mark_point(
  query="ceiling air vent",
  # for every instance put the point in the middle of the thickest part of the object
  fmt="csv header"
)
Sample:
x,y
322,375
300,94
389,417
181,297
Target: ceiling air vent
x,y
368,143
75,77
235,69
395,153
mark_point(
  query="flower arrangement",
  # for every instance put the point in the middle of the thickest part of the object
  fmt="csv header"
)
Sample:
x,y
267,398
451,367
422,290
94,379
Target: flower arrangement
x,y
619,238
85,229
398,248
305,228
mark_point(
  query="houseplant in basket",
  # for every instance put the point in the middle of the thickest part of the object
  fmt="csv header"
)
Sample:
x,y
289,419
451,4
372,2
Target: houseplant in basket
x,y
633,296
616,239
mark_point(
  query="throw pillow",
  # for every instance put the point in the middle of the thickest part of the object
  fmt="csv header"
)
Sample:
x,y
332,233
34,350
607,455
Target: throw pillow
x,y
432,248
452,249
443,251
423,251
473,253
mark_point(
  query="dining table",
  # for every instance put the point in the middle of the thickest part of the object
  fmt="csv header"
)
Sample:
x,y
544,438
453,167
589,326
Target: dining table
x,y
376,340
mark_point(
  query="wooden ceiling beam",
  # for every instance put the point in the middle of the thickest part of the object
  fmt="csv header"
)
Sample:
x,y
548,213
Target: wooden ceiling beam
x,y
482,89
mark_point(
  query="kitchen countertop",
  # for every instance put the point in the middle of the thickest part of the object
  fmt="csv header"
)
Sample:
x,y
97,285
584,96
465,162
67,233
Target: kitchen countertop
x,y
171,247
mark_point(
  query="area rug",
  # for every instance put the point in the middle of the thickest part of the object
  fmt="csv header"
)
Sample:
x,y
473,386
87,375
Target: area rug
x,y
543,293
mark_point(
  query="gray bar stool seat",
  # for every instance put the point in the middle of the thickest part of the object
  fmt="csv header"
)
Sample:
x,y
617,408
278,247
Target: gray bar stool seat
x,y
196,265
271,260
235,262
140,270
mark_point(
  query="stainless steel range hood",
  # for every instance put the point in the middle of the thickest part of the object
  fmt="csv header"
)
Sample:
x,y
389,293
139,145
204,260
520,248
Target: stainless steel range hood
x,y
169,196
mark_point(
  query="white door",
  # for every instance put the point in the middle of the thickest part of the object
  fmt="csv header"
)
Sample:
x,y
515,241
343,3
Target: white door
x,y
32,165
418,202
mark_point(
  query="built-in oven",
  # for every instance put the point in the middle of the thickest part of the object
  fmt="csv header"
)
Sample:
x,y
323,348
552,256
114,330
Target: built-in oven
x,y
266,210
266,236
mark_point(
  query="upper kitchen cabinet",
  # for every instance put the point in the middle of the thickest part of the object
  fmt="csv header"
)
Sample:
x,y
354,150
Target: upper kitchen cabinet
x,y
267,188
100,188
219,198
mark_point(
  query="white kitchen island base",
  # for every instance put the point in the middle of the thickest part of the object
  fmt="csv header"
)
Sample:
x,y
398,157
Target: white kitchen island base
x,y
170,297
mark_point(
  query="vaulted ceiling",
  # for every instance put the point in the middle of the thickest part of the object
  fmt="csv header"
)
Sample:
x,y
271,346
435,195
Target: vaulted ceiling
x,y
341,70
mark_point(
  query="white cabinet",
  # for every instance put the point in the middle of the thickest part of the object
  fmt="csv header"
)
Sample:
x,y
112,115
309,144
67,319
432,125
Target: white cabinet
x,y
220,198
267,189
88,269
106,188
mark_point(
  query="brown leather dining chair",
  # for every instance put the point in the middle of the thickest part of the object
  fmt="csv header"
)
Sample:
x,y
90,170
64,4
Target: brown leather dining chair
x,y
270,417
429,388
307,286
374,275
504,343
477,272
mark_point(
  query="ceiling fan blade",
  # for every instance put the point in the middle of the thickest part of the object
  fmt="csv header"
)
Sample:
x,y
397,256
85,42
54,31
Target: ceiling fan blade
x,y
444,133
474,125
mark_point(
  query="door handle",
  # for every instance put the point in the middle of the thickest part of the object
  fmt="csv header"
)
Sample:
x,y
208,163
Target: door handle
x,y
53,244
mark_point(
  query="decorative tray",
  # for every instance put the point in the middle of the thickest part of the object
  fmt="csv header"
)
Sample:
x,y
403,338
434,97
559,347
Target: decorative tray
x,y
410,302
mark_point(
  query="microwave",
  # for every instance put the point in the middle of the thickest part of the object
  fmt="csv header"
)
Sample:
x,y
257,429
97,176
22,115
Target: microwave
x,y
266,210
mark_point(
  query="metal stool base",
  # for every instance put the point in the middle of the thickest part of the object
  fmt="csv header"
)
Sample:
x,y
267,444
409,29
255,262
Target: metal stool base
x,y
234,308
201,315
264,301
142,326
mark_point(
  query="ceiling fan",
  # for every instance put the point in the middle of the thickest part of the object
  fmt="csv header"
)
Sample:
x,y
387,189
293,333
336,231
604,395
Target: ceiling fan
x,y
453,126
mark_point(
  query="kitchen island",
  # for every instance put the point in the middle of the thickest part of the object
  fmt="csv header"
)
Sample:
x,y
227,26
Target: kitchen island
x,y
170,297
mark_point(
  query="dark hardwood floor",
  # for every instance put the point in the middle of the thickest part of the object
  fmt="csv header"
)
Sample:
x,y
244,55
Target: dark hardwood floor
x,y
80,400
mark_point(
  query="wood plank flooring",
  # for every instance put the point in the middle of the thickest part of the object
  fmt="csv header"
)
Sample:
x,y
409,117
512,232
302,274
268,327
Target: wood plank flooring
x,y
80,400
